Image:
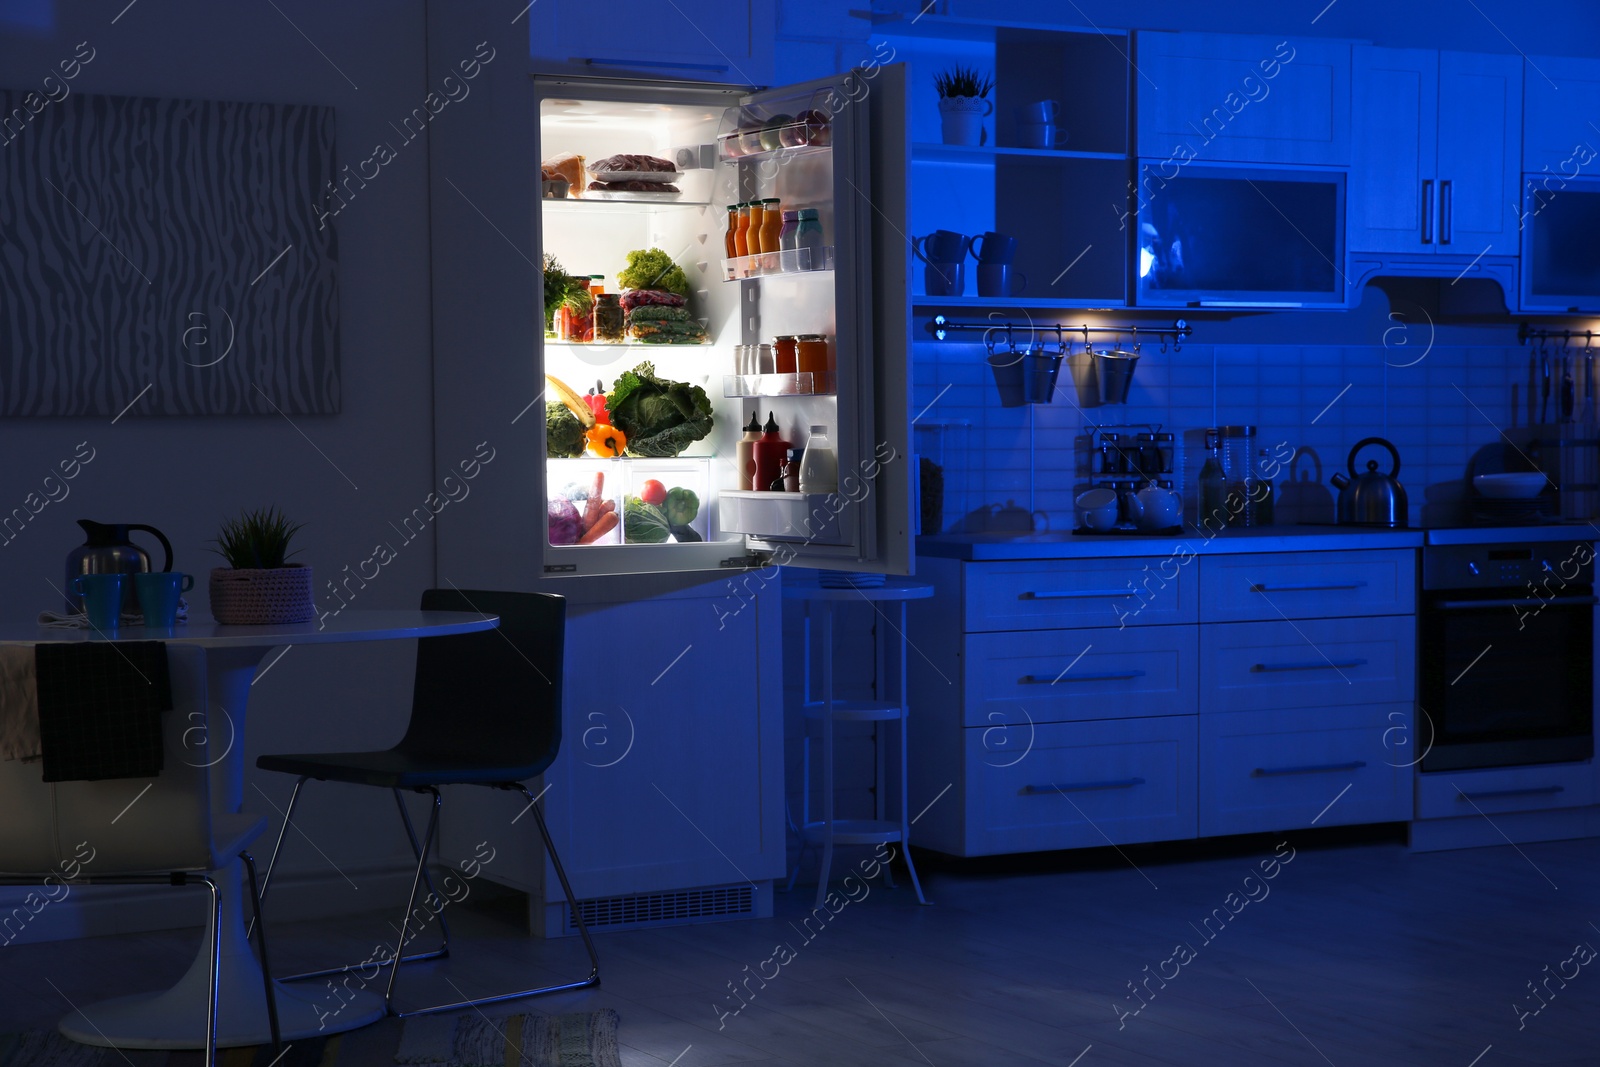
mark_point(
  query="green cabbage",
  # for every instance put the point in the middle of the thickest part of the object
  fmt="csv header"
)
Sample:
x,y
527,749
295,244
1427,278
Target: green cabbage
x,y
661,418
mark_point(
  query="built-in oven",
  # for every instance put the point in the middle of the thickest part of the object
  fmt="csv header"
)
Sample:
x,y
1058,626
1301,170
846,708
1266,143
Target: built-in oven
x,y
1506,654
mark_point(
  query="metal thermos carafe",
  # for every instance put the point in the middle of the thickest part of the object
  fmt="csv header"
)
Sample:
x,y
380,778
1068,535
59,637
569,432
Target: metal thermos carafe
x,y
109,551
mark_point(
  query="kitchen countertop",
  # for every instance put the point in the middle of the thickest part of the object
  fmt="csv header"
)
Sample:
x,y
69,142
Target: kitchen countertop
x,y
1011,546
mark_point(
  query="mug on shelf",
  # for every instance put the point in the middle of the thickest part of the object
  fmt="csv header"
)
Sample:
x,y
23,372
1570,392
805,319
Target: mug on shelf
x,y
994,247
1041,135
999,279
1039,111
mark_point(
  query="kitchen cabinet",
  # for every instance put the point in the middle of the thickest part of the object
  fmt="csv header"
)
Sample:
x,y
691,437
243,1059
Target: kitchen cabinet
x,y
1224,97
1560,200
1436,168
711,40
1560,109
1084,700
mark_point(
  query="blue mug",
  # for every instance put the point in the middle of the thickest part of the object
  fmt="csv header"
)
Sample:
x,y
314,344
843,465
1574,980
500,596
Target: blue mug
x,y
942,246
158,596
102,599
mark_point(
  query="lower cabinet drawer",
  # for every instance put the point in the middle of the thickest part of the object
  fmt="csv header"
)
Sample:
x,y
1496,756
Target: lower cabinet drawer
x,y
1453,794
1279,770
1068,675
1261,666
1054,594
1080,785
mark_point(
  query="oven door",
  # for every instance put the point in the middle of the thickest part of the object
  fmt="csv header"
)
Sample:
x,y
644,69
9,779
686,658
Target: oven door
x,y
1507,680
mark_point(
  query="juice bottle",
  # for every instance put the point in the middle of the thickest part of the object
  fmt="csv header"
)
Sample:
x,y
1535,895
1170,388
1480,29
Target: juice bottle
x,y
758,212
733,228
771,224
741,235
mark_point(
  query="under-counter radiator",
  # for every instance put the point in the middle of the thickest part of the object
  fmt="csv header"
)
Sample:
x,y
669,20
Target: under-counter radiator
x,y
676,908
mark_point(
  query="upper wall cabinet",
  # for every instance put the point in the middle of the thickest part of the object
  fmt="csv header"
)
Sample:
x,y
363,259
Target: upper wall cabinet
x,y
1436,153
725,40
1220,97
1560,113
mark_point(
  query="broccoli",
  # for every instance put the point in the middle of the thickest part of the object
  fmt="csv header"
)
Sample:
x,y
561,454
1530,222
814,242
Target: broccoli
x,y
563,433
653,269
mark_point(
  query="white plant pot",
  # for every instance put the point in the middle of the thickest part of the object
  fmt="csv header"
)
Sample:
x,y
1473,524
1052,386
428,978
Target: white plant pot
x,y
962,118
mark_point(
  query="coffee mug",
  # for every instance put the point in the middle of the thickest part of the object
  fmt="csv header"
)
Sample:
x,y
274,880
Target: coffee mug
x,y
102,598
994,247
945,279
158,596
942,246
1040,135
1097,509
1000,279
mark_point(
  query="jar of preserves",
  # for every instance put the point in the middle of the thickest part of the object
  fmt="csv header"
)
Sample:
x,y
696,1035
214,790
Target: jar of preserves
x,y
786,355
609,319
811,353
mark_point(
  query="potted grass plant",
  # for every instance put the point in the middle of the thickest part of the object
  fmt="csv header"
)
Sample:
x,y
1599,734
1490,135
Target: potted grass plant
x,y
259,586
963,104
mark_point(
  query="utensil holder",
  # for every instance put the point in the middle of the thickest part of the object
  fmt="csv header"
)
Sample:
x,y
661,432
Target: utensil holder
x,y
1008,378
1115,371
1039,373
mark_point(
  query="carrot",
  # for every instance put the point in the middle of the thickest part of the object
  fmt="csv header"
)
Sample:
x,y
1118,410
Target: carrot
x,y
603,525
592,509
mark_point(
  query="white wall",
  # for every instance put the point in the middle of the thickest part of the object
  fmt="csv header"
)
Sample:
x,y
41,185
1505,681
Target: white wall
x,y
346,476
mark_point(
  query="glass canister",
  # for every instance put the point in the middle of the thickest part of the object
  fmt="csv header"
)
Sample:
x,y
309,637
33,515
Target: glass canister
x,y
610,323
785,352
1239,459
811,356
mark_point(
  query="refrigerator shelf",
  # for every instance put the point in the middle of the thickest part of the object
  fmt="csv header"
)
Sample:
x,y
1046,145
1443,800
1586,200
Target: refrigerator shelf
x,y
601,346
736,147
747,385
769,264
620,203
805,517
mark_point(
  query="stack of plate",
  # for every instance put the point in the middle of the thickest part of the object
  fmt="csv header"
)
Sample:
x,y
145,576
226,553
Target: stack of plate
x,y
849,580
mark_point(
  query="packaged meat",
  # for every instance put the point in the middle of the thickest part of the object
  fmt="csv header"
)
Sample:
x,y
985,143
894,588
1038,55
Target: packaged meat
x,y
632,186
631,163
635,298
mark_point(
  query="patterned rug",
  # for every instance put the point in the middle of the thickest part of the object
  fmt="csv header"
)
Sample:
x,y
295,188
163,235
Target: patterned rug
x,y
577,1040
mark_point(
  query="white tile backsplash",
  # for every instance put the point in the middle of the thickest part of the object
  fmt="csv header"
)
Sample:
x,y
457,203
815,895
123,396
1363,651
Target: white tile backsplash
x,y
1437,410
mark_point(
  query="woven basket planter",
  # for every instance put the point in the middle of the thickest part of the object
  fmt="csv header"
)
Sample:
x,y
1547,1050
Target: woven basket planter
x,y
249,597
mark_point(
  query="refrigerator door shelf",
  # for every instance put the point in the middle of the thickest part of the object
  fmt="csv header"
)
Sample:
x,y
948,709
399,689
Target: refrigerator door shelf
x,y
809,517
745,385
769,264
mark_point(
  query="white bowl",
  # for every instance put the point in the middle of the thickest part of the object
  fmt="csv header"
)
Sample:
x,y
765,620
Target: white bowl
x,y
1520,486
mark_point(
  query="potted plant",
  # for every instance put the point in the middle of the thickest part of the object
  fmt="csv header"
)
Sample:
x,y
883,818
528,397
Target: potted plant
x,y
963,104
259,586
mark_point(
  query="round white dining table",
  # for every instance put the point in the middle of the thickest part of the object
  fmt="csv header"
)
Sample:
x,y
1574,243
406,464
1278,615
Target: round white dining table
x,y
173,1019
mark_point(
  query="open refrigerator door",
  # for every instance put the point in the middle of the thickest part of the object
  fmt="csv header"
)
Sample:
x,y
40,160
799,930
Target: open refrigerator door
x,y
712,256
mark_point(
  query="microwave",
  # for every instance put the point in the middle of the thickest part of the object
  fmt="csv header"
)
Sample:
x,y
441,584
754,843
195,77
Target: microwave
x,y
1560,257
1223,236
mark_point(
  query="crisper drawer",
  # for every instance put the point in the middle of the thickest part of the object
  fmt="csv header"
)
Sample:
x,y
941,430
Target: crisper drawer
x,y
1278,770
1081,785
1315,585
1078,592
1061,675
1268,666
1452,794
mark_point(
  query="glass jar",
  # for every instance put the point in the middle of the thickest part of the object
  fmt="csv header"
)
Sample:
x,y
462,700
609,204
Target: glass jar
x,y
733,228
741,232
811,357
791,225
785,354
1238,459
609,321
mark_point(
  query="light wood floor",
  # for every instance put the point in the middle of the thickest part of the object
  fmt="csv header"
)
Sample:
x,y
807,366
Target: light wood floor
x,y
1360,953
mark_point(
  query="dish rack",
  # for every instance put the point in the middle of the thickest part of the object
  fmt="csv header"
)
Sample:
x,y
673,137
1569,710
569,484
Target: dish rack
x,y
1125,458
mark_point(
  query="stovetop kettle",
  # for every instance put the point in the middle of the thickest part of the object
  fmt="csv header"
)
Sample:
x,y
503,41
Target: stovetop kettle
x,y
1371,498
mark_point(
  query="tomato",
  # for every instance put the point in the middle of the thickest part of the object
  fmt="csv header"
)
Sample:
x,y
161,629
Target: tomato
x,y
653,493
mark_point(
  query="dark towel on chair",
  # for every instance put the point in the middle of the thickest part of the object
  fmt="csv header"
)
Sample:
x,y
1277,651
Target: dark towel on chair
x,y
100,709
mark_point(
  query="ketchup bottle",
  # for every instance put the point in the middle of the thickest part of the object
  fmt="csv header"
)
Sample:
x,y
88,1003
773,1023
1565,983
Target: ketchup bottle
x,y
770,451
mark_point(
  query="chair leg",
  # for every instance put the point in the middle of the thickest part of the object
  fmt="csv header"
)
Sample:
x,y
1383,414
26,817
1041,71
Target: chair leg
x,y
416,849
266,882
261,947
411,899
577,915
214,931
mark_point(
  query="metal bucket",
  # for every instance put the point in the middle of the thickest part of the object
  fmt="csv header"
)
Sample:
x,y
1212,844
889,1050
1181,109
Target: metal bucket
x,y
1039,373
1115,371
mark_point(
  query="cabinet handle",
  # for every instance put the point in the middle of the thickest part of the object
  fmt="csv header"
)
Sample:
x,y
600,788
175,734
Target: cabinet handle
x,y
1313,768
1323,665
1081,787
1076,594
716,68
1263,587
1525,602
1446,211
1427,211
1102,676
1497,794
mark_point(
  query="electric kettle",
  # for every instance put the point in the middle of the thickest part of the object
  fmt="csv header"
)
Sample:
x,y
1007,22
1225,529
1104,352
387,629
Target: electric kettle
x,y
108,551
1371,499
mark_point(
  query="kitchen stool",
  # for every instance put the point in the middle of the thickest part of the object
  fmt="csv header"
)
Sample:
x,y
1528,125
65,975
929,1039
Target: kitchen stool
x,y
821,601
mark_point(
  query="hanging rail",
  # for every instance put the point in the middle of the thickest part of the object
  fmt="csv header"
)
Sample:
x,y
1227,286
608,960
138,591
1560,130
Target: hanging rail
x,y
1526,333
940,326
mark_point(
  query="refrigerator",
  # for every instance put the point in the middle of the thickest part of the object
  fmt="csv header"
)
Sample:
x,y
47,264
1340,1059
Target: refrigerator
x,y
838,146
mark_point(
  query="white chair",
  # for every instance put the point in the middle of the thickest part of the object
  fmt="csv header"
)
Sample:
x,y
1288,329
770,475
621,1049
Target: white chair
x,y
163,831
